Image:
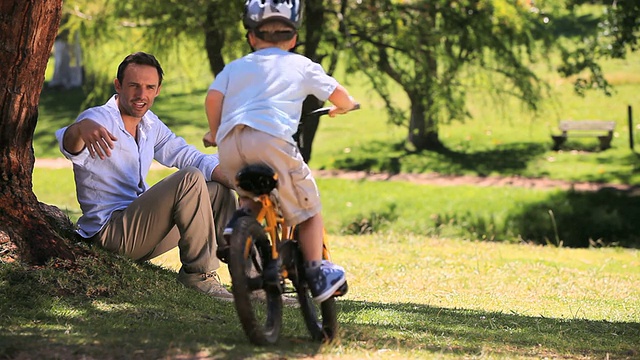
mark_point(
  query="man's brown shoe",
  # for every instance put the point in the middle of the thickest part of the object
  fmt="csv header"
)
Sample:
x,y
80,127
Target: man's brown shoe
x,y
208,283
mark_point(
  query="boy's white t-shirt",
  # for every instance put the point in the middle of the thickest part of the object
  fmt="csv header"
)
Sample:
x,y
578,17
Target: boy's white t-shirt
x,y
265,90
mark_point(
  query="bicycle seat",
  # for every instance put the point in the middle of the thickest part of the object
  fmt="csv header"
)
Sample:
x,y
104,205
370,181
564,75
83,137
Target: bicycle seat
x,y
259,179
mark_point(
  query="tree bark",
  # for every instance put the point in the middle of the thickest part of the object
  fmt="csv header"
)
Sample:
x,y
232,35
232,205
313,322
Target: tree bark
x,y
28,29
314,22
423,131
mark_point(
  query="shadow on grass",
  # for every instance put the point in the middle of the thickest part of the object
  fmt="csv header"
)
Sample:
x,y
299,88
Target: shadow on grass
x,y
464,332
581,219
127,311
576,219
176,109
508,159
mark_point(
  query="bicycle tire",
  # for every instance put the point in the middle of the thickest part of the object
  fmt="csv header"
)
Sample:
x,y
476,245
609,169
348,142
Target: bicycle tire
x,y
321,319
261,319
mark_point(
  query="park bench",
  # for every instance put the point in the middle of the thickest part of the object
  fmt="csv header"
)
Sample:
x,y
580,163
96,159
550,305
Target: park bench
x,y
600,129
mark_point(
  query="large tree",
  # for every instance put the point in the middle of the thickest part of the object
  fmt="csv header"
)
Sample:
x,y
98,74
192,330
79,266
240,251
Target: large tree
x,y
435,49
27,32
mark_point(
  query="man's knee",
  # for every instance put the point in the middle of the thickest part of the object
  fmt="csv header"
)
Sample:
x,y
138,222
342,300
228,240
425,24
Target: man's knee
x,y
190,175
190,172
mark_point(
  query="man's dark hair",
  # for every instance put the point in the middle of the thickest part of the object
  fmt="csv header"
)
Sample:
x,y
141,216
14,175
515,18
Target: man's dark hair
x,y
140,58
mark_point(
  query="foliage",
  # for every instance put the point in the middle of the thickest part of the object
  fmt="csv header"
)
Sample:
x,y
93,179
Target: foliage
x,y
108,31
614,37
437,50
375,221
579,219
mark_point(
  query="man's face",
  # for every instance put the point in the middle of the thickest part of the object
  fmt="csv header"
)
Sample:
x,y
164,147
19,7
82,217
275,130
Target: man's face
x,y
140,86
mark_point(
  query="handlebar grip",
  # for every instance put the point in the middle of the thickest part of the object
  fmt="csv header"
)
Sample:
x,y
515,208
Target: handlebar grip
x,y
325,111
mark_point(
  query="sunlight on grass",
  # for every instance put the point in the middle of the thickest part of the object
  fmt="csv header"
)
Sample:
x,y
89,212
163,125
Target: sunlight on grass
x,y
445,273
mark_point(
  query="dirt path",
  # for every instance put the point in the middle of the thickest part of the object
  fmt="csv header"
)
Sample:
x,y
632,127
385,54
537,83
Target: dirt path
x,y
433,179
447,180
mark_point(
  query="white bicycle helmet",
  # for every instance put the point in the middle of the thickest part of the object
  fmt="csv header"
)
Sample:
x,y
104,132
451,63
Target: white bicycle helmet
x,y
257,12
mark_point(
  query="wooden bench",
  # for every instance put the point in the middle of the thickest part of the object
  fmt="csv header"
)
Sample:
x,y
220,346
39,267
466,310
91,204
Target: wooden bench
x,y
601,129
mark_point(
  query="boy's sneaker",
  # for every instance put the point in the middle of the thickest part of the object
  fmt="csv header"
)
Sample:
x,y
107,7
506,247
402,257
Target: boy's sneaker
x,y
326,281
208,283
222,252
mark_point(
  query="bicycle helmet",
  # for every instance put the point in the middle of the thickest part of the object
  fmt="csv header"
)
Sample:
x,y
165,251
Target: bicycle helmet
x,y
257,12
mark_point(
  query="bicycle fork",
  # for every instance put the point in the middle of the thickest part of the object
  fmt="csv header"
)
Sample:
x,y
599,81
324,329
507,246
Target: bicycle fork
x,y
273,223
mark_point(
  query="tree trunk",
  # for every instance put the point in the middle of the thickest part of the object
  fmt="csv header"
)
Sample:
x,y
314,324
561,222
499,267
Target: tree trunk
x,y
28,29
423,131
314,22
214,38
423,127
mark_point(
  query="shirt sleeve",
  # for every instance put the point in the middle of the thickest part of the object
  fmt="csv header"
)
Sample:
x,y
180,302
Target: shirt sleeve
x,y
221,82
319,84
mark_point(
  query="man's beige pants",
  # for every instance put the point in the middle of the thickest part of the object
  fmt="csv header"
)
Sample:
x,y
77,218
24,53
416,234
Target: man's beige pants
x,y
182,210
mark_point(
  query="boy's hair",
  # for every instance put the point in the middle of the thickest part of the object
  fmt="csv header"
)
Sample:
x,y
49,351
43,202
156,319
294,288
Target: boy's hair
x,y
140,58
275,31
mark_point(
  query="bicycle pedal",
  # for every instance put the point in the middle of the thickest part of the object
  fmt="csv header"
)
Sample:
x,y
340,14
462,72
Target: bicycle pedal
x,y
342,290
222,253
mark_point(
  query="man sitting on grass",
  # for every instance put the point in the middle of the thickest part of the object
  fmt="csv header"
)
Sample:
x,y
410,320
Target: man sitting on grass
x,y
112,147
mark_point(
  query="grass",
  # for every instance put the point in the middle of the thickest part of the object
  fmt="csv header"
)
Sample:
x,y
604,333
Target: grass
x,y
509,214
410,297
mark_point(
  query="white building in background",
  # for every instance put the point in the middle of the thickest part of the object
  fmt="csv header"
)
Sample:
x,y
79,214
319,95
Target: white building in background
x,y
68,68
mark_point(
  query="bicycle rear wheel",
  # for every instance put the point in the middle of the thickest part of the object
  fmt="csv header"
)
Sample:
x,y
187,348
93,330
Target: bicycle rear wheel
x,y
259,307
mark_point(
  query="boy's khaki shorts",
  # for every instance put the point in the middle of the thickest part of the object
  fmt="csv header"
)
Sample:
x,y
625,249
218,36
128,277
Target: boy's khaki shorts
x,y
297,189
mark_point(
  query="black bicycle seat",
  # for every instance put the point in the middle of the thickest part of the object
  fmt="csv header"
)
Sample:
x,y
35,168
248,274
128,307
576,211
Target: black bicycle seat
x,y
259,179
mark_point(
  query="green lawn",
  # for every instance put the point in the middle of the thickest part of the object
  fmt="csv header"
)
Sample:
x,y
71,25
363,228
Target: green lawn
x,y
411,297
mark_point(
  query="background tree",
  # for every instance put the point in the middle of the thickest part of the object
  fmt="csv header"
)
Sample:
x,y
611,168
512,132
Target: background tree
x,y
27,32
435,50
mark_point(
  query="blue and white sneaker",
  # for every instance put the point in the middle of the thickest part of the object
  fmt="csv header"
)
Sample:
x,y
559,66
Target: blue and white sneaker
x,y
325,282
222,252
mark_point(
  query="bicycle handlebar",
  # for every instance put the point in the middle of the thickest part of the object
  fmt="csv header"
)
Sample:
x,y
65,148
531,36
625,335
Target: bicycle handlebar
x,y
325,111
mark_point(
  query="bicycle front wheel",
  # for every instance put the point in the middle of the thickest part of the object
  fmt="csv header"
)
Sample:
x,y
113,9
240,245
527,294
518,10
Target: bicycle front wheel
x,y
259,307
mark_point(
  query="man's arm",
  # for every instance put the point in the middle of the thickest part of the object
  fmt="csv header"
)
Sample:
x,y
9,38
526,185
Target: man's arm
x,y
218,176
90,134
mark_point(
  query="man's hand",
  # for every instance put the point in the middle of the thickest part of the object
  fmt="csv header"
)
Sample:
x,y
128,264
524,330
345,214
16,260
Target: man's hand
x,y
208,140
88,133
218,176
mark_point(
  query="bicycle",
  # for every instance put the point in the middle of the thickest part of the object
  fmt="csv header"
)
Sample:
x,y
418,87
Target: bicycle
x,y
264,255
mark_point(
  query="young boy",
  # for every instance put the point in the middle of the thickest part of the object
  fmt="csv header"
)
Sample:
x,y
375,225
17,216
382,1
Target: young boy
x,y
254,107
